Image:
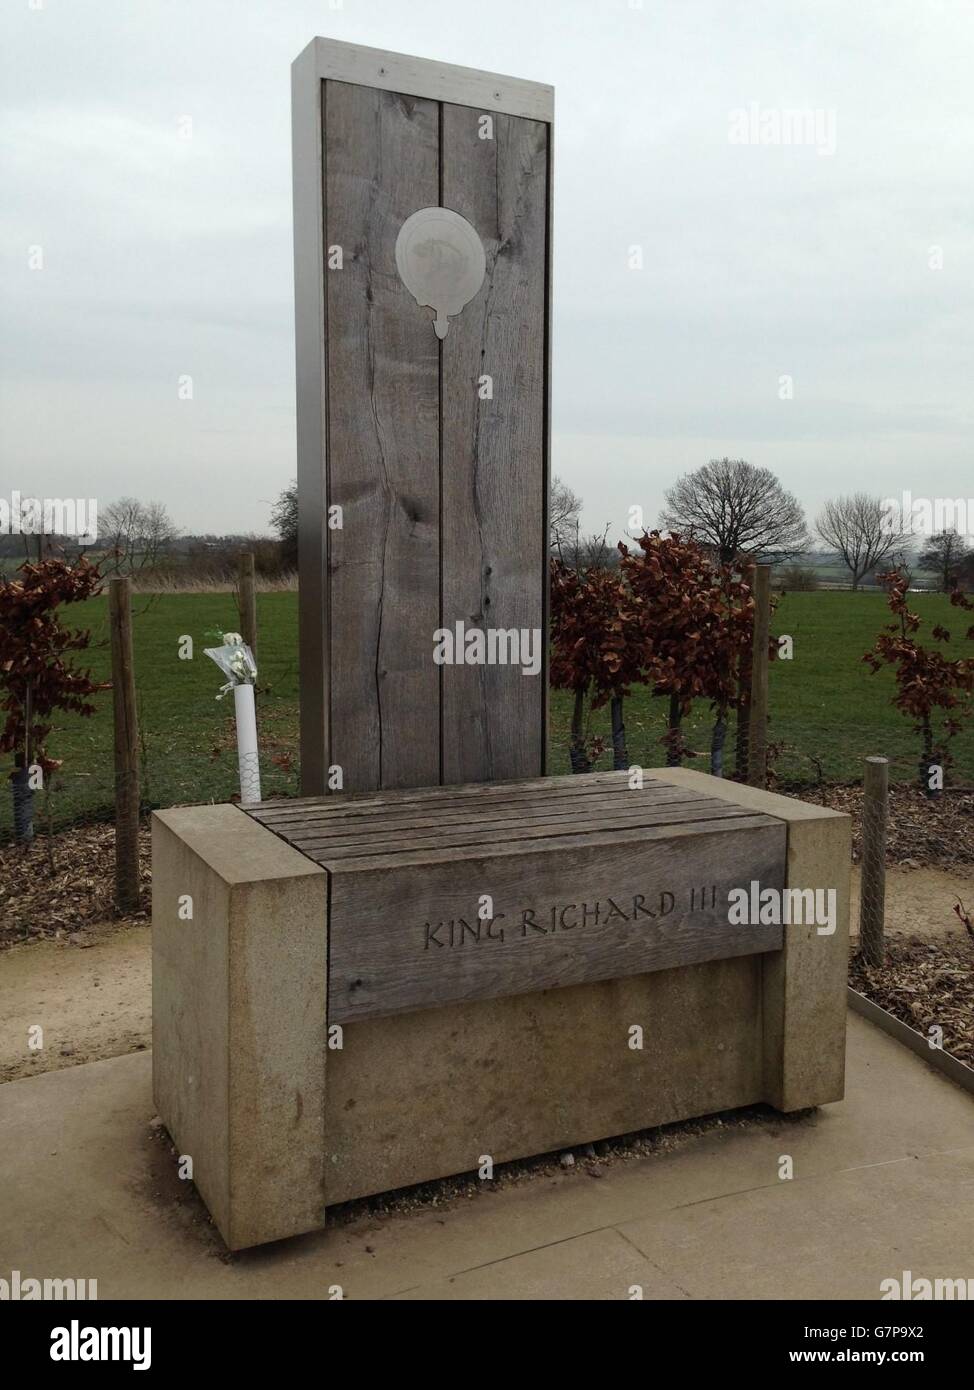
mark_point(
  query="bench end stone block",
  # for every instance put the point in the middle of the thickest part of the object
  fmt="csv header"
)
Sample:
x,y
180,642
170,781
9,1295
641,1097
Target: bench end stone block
x,y
804,992
239,1003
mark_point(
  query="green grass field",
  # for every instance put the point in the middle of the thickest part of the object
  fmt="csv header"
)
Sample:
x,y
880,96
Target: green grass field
x,y
825,703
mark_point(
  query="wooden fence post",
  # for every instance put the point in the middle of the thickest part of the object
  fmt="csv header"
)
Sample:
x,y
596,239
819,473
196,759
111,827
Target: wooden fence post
x,y
126,747
743,720
757,752
247,600
872,882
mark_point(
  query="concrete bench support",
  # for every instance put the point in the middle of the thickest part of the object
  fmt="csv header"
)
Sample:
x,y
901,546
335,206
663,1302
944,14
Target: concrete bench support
x,y
804,984
280,1125
239,1002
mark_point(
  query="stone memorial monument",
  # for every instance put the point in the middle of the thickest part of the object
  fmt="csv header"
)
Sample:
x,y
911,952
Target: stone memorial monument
x,y
439,955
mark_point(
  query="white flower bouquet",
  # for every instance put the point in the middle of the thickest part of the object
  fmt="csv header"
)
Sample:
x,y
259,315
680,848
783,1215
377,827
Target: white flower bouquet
x,y
236,661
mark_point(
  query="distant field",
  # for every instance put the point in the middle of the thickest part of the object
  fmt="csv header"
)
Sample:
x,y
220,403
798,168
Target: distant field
x,y
825,703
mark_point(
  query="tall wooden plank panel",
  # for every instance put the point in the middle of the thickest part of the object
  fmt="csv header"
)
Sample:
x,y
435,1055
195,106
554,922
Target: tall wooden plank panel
x,y
381,163
440,486
494,173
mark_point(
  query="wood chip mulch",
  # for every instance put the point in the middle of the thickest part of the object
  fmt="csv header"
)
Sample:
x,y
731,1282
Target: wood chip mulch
x,y
36,901
62,888
921,832
926,984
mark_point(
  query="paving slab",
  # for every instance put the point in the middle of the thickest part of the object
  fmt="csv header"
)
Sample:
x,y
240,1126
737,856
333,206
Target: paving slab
x,y
882,1182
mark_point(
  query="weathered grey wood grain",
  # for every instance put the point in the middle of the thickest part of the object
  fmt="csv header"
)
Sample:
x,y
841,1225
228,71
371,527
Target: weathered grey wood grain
x,y
403,795
493,541
651,905
553,787
587,838
335,810
586,809
582,811
486,839
377,136
546,525
383,440
584,814
422,77
506,823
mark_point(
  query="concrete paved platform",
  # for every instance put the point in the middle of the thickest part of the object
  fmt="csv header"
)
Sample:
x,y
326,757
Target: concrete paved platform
x,y
883,1182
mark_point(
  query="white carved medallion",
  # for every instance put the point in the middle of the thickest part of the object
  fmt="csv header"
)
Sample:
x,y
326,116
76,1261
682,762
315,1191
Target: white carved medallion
x,y
441,261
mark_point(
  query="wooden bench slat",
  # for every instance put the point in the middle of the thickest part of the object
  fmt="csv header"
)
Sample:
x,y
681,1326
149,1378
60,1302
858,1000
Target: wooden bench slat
x,y
588,811
494,824
548,786
632,835
334,809
489,835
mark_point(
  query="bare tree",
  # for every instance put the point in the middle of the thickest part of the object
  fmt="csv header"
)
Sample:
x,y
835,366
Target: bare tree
x,y
564,509
944,554
584,553
134,534
595,553
158,530
903,558
862,531
736,509
965,572
284,519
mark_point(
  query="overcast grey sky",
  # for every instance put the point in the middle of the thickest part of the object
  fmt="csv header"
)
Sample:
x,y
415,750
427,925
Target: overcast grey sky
x,y
165,256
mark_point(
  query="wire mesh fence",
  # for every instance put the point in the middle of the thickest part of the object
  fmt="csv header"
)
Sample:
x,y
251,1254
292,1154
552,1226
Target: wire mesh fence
x,y
826,713
872,882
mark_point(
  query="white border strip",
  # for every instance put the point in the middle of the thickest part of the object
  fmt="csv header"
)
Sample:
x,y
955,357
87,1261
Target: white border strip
x,y
952,1067
423,77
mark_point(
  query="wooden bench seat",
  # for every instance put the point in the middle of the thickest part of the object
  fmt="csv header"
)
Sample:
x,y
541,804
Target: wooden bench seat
x,y
457,893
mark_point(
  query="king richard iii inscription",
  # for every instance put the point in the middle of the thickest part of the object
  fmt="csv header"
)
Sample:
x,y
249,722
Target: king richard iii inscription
x,y
559,917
